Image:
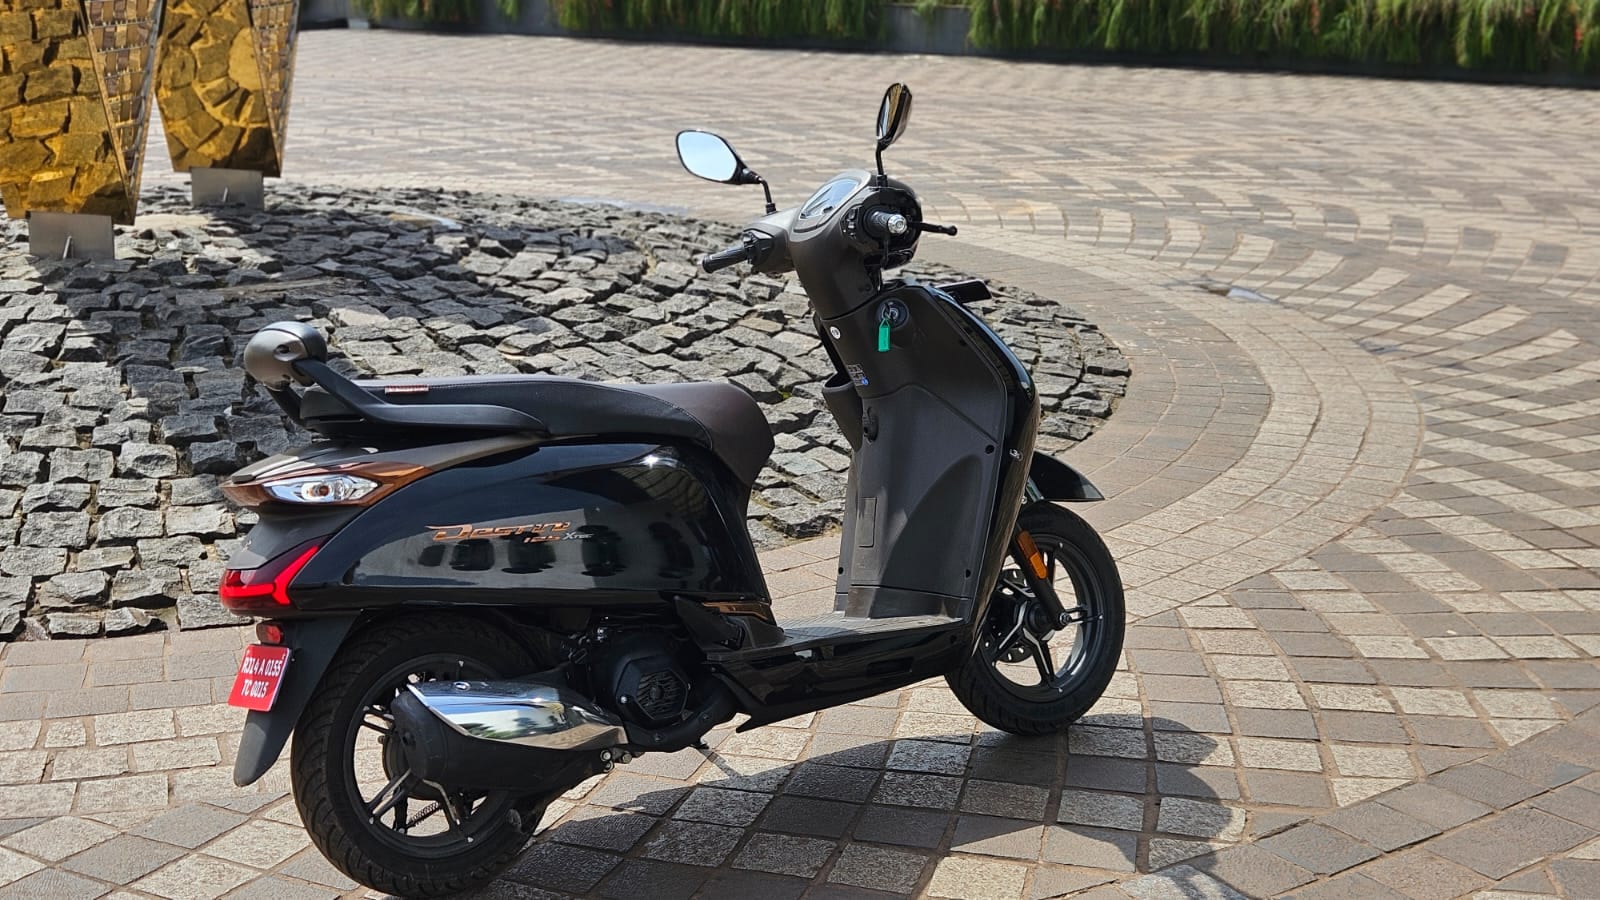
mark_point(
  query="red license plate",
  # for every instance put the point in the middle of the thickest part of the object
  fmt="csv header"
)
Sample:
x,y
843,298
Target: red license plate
x,y
260,676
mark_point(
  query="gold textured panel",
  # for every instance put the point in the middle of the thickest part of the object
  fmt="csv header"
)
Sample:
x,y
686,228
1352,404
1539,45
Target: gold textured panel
x,y
274,22
222,80
75,79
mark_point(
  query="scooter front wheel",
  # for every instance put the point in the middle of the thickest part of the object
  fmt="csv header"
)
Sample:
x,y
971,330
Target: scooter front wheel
x,y
360,804
1025,677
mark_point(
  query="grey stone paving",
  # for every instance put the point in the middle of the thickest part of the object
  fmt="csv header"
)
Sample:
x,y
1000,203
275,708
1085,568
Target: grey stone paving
x,y
1353,482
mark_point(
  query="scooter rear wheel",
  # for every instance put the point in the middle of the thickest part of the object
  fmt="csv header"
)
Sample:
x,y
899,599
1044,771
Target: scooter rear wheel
x,y
372,821
1027,680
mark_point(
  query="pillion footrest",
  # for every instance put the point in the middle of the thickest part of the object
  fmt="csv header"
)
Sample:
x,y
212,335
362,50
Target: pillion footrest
x,y
834,628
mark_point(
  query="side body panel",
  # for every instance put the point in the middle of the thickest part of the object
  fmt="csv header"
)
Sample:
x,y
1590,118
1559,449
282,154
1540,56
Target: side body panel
x,y
586,524
949,418
283,525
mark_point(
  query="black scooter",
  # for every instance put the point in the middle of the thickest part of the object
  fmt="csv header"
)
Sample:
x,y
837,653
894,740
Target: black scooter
x,y
477,592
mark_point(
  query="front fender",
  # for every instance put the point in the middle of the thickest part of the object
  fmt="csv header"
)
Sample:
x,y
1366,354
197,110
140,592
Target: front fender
x,y
1055,480
313,643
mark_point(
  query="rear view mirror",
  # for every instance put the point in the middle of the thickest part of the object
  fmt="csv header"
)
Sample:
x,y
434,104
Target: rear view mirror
x,y
893,115
710,157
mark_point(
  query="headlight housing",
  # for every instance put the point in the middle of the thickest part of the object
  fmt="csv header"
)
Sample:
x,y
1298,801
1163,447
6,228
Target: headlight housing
x,y
329,487
345,484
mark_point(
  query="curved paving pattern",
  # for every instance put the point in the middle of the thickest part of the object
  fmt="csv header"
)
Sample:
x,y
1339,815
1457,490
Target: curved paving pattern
x,y
1354,479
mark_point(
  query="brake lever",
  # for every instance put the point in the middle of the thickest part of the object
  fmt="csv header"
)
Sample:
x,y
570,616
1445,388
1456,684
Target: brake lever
x,y
936,229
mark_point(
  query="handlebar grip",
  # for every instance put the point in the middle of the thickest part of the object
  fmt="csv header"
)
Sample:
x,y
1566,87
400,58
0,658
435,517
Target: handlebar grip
x,y
883,223
713,262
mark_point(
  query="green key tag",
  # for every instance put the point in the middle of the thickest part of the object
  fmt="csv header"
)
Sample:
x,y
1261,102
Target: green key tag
x,y
883,333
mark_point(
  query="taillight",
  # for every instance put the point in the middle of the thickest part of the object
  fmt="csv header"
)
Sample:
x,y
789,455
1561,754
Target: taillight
x,y
266,588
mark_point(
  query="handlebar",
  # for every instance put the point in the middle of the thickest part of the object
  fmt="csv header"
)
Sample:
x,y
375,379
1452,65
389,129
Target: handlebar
x,y
883,223
722,259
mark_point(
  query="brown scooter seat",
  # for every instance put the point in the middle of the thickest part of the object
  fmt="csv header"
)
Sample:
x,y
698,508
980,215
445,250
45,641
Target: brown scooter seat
x,y
719,417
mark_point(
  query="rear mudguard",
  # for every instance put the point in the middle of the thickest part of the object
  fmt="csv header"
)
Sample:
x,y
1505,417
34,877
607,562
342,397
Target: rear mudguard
x,y
1055,480
313,643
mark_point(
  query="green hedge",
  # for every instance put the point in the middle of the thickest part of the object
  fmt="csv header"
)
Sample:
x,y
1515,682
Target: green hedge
x,y
1506,36
1532,36
851,20
442,12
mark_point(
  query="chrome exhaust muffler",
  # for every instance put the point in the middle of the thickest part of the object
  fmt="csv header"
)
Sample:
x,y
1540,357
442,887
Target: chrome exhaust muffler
x,y
490,735
533,714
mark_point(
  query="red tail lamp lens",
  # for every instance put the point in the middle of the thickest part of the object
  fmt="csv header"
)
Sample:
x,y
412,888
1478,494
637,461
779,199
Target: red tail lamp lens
x,y
267,587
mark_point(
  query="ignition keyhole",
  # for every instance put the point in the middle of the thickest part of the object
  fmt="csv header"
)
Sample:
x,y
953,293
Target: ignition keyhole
x,y
894,312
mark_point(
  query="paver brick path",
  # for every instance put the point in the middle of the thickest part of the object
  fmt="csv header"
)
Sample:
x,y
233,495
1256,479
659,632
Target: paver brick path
x,y
1353,494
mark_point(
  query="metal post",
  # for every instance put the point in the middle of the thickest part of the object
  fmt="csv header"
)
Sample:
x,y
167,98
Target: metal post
x,y
224,187
71,235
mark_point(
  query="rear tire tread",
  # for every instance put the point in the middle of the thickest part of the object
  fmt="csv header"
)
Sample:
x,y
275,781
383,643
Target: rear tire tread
x,y
316,727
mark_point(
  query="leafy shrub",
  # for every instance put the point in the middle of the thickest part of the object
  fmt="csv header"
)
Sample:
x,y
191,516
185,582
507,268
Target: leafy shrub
x,y
1513,36
1534,36
749,19
444,12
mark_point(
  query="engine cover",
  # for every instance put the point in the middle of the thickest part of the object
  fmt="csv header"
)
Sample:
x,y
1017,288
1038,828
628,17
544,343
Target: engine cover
x,y
659,694
644,679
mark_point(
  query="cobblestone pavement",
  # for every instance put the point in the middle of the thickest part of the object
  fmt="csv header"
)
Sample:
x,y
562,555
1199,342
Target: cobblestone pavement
x,y
1354,496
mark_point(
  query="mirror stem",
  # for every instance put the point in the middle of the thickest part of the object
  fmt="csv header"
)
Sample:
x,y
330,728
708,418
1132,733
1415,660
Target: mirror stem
x,y
748,176
771,207
883,179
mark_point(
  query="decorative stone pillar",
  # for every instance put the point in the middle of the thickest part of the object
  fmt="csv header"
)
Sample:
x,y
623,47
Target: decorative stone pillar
x,y
222,80
74,109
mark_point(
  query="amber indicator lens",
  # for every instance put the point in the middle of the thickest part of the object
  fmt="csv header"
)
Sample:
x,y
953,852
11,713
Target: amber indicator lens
x,y
1030,552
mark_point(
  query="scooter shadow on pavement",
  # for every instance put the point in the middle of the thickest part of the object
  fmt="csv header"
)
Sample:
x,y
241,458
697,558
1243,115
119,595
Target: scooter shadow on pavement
x,y
715,820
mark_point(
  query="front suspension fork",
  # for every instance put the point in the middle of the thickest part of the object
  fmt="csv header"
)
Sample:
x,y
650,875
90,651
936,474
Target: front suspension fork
x,y
1036,574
